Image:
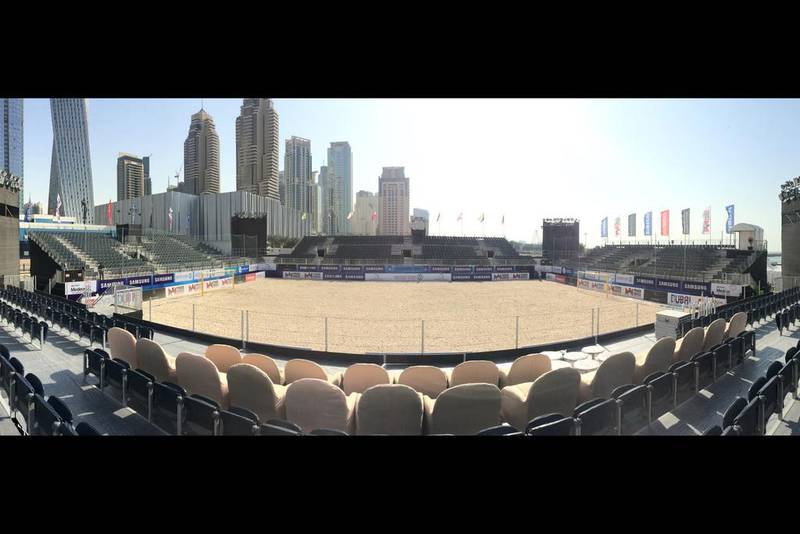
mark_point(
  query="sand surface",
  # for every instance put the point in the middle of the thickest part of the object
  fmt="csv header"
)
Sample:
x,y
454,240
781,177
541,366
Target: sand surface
x,y
388,316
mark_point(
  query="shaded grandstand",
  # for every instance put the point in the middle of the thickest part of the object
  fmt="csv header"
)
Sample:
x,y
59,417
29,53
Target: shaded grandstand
x,y
404,249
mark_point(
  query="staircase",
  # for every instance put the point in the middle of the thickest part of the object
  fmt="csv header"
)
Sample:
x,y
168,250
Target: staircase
x,y
85,258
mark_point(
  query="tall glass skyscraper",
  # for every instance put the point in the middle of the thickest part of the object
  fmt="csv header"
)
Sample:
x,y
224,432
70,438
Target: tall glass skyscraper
x,y
70,165
11,153
339,177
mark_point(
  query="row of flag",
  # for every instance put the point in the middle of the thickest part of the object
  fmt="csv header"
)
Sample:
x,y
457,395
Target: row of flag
x,y
648,223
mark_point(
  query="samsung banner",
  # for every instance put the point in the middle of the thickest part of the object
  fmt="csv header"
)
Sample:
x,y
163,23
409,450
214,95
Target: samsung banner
x,y
409,277
729,222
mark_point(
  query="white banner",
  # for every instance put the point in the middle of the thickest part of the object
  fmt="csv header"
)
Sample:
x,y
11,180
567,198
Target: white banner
x,y
598,276
186,276
409,277
726,290
302,275
630,292
624,279
594,286
260,274
76,288
550,276
176,291
196,287
691,301
269,266
511,276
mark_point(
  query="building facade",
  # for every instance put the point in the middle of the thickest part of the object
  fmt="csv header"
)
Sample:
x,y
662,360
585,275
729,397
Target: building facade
x,y
365,214
130,176
422,217
393,202
148,184
281,188
70,164
257,148
201,156
340,179
297,173
11,139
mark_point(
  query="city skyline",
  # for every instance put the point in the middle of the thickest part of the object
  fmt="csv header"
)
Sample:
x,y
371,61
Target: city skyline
x,y
615,155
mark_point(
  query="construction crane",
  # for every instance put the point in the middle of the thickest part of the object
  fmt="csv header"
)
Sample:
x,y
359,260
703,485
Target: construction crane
x,y
177,177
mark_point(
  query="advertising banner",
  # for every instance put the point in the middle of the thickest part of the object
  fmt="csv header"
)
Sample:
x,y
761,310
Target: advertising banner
x,y
461,277
483,269
481,277
249,277
696,287
665,222
331,268
298,275
627,279
353,276
267,267
550,277
209,285
332,276
685,221
726,290
408,277
225,282
102,285
504,269
510,276
648,223
561,279
667,284
176,291
596,275
604,227
690,301
139,281
77,288
373,268
632,225
162,279
462,269
440,269
308,267
406,269
352,269
194,287
186,276
644,281
629,292
260,274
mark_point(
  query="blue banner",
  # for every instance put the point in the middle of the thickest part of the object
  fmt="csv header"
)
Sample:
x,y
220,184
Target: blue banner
x,y
353,269
163,279
648,223
407,269
604,227
729,222
139,281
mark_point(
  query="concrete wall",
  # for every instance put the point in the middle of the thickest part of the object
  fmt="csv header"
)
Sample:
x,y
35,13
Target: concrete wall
x,y
9,233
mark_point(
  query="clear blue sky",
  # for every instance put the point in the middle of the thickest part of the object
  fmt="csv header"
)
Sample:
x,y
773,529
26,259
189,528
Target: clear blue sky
x,y
525,159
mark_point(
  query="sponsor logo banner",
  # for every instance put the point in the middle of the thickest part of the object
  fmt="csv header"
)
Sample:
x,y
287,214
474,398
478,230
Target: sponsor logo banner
x,y
481,277
163,278
462,269
561,279
186,276
260,274
212,284
243,269
550,276
139,281
195,287
332,276
624,279
593,285
461,277
678,299
373,268
267,267
639,281
249,277
727,290
630,292
331,268
297,275
308,267
76,288
504,269
176,291
440,269
669,284
699,287
105,284
406,269
353,276
225,282
352,269
408,277
596,275
483,269
510,276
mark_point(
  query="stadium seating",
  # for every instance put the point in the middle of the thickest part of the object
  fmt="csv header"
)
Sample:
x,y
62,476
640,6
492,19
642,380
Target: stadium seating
x,y
199,375
689,345
152,359
425,379
252,389
389,409
266,364
526,369
658,358
313,403
714,334
359,377
473,372
617,370
554,392
299,368
463,409
223,356
122,346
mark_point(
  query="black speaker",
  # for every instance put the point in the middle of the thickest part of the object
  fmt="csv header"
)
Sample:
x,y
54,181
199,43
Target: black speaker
x,y
321,252
490,253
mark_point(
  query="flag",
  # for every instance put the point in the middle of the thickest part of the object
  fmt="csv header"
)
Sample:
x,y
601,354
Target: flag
x,y
109,211
617,226
665,222
28,212
632,225
685,221
305,215
604,227
648,223
58,206
480,219
503,220
438,216
133,214
707,220
349,215
374,215
170,218
460,217
729,222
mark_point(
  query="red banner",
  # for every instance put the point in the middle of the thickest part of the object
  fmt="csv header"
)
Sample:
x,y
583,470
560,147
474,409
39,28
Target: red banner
x,y
665,222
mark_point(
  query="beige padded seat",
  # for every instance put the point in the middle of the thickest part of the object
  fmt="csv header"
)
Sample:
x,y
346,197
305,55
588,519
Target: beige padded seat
x,y
313,403
736,326
658,358
223,356
266,364
689,345
122,345
199,375
298,368
152,359
361,376
474,372
617,370
554,392
526,369
464,409
714,334
251,388
392,409
425,379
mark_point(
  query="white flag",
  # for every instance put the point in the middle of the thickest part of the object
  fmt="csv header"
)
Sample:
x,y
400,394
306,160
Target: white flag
x,y
58,206
170,218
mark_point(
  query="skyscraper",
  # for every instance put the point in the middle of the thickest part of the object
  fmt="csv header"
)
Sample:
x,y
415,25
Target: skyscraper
x,y
11,145
71,165
201,156
148,184
365,217
281,187
257,148
393,202
130,176
340,178
297,173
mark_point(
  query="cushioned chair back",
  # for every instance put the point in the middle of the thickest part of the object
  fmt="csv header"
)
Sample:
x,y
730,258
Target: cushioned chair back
x,y
616,371
466,409
425,379
299,368
152,359
475,372
122,345
266,364
554,392
691,344
393,409
313,403
251,388
659,358
528,368
199,375
361,376
223,356
737,324
714,334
